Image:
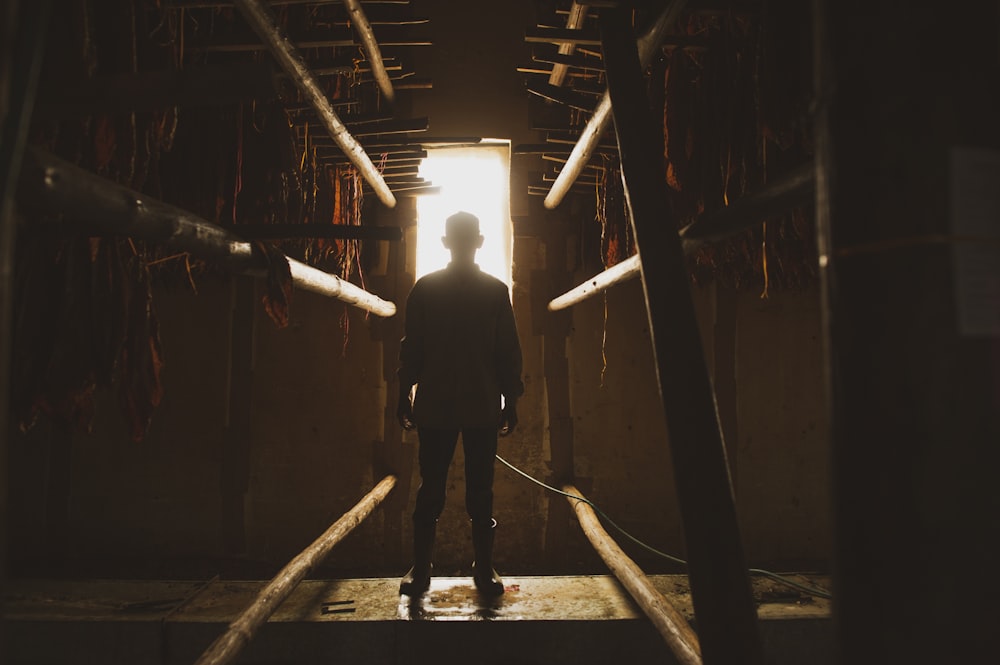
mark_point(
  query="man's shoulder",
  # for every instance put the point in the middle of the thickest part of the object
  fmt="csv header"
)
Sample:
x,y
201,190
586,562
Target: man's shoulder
x,y
491,281
429,280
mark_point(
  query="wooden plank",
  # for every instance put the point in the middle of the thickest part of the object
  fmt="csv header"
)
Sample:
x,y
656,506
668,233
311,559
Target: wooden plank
x,y
395,126
570,138
575,61
563,96
796,187
546,35
338,36
339,231
549,149
723,602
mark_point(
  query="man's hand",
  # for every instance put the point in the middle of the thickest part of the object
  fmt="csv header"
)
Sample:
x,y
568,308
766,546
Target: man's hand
x,y
404,412
508,418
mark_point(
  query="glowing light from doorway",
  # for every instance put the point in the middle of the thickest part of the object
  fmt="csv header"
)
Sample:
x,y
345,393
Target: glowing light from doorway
x,y
474,179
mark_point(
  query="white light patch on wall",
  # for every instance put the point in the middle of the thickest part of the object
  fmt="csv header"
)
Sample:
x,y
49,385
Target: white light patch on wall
x,y
475,180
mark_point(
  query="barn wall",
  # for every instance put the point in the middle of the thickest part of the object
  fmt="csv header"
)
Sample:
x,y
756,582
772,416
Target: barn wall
x,y
317,413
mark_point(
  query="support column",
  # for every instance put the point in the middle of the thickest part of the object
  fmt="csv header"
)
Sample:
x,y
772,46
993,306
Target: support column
x,y
391,454
908,226
22,45
236,444
720,586
555,330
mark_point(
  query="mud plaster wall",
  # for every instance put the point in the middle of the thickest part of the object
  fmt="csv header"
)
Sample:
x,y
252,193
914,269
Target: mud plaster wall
x,y
780,454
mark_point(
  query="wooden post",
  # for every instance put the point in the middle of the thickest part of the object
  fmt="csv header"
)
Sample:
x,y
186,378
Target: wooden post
x,y
720,586
670,623
22,44
908,232
235,472
228,646
555,328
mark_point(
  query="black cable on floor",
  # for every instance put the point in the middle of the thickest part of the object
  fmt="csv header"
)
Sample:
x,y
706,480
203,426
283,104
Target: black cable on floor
x,y
811,590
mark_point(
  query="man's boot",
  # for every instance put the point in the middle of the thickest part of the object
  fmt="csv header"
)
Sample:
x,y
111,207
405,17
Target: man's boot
x,y
419,578
486,579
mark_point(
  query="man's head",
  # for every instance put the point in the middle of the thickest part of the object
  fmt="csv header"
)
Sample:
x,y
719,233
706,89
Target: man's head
x,y
461,236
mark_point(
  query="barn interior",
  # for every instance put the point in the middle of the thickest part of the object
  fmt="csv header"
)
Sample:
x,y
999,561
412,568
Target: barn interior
x,y
752,249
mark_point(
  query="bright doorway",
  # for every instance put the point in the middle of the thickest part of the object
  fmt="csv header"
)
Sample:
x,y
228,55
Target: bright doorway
x,y
475,179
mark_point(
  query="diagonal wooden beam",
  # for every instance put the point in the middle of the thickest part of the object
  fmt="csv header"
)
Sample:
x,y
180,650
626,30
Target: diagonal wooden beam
x,y
364,31
667,620
262,21
598,123
720,586
577,14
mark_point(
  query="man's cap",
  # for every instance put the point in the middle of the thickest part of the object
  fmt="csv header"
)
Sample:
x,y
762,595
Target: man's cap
x,y
462,225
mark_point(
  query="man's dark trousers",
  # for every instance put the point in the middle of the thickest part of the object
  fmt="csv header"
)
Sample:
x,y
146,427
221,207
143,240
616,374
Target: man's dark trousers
x,y
437,447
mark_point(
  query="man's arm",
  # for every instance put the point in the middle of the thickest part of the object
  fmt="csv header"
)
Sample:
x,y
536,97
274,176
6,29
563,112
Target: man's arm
x,y
509,362
411,358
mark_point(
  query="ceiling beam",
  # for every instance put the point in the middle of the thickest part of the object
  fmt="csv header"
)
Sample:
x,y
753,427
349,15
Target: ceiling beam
x,y
591,135
262,21
363,29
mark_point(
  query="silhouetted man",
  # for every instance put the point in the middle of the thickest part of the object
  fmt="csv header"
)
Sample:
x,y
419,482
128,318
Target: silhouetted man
x,y
462,352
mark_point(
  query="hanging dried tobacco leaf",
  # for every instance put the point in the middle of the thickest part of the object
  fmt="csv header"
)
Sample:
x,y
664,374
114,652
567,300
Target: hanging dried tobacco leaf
x,y
278,294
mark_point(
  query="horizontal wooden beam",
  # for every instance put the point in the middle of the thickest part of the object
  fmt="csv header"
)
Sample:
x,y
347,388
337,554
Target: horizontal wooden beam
x,y
562,96
555,149
416,155
193,86
797,187
545,35
400,126
416,83
574,61
212,4
328,38
570,138
376,149
595,162
330,231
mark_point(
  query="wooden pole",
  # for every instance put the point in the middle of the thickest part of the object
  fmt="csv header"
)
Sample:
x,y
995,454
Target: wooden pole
x,y
228,646
621,272
364,31
591,135
670,623
312,279
793,188
577,14
51,185
262,21
720,586
908,238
